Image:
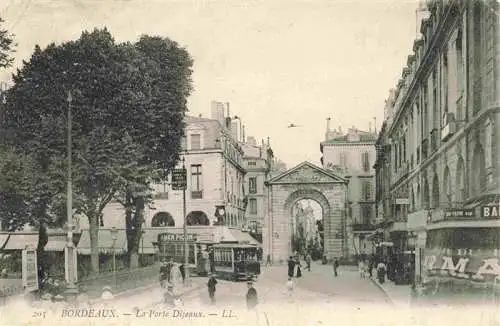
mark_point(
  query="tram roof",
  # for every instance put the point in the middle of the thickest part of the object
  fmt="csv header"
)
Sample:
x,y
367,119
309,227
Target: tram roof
x,y
234,245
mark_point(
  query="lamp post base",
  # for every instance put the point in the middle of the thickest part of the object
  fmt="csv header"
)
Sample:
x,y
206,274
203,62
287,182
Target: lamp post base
x,y
71,293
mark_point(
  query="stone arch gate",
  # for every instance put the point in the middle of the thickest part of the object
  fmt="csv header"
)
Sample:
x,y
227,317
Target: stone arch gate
x,y
305,181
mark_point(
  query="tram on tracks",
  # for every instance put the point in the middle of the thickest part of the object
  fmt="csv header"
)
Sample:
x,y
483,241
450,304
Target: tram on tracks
x,y
236,261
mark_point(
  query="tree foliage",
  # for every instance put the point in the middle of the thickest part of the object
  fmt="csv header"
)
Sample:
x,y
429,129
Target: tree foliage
x,y
128,104
7,46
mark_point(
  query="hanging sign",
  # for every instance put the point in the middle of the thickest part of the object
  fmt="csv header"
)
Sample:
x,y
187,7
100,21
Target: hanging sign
x,y
179,179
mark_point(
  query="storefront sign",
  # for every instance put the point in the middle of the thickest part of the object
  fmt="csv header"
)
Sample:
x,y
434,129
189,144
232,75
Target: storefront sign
x,y
477,265
30,271
164,237
458,213
179,179
490,211
402,201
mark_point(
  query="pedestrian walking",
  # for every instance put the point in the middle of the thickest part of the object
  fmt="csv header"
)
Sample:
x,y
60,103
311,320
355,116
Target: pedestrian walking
x,y
252,299
370,267
381,271
163,274
183,273
361,269
308,262
291,266
335,266
211,258
299,271
268,260
212,282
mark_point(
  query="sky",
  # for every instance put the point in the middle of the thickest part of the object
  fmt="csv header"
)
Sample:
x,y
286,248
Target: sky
x,y
275,61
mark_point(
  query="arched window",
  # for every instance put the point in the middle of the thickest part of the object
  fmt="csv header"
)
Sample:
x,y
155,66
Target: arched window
x,y
460,182
162,219
447,186
425,196
197,218
478,171
435,192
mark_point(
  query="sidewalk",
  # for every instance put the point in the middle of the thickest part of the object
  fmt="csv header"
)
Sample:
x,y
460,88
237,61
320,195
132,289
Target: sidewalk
x,y
400,295
150,295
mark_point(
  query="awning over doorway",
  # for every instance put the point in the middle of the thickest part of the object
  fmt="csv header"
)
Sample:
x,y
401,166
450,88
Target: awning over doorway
x,y
243,237
105,242
19,241
56,243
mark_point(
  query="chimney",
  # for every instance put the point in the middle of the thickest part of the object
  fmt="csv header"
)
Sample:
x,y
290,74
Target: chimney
x,y
227,105
374,125
234,130
328,133
268,141
243,133
217,112
369,127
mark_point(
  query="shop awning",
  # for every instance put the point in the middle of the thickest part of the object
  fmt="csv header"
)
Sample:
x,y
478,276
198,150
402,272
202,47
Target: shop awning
x,y
3,239
56,243
19,241
105,242
243,237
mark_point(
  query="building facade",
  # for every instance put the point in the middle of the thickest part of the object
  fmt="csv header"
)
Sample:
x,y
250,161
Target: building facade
x,y
351,155
439,152
258,160
215,194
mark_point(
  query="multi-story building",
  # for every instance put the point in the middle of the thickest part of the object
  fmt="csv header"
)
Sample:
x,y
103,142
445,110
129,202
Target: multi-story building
x,y
258,161
213,158
351,155
441,170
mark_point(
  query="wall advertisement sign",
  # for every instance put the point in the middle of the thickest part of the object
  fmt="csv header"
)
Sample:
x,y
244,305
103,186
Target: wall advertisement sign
x,y
29,270
468,253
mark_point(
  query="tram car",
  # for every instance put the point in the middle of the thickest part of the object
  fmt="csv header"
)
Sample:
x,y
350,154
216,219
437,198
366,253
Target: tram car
x,y
236,262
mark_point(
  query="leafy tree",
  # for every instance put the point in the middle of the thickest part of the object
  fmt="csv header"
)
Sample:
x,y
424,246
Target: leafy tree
x,y
128,105
6,47
159,131
106,81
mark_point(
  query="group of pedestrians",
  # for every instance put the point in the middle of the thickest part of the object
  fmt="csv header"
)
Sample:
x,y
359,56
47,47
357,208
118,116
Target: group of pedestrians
x,y
251,296
366,269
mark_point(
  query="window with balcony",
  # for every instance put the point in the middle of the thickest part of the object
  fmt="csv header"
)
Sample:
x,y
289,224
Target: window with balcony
x,y
366,191
252,206
435,192
196,181
447,187
478,171
460,182
366,214
252,185
365,159
195,140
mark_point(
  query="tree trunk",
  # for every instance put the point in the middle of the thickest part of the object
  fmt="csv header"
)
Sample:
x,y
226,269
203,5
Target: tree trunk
x,y
136,232
94,242
40,252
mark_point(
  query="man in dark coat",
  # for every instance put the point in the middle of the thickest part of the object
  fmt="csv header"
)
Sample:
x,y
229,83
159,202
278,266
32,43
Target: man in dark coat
x,y
183,273
252,299
291,266
212,282
335,266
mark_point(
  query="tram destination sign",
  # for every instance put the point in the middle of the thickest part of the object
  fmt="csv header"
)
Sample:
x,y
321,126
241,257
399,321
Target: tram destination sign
x,y
166,237
179,179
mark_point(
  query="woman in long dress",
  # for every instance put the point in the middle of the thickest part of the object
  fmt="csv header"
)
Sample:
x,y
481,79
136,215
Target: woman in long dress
x,y
299,272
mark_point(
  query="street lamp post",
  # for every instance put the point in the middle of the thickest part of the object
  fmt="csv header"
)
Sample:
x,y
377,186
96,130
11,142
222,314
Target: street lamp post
x,y
143,232
114,231
71,289
186,252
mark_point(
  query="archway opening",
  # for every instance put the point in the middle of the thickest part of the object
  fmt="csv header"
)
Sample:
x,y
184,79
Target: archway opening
x,y
308,228
162,219
197,218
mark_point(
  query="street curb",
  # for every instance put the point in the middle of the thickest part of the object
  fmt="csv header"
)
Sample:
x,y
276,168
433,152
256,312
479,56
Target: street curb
x,y
382,288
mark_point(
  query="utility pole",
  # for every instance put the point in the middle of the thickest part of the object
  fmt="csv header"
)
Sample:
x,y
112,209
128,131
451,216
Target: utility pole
x,y
71,291
186,249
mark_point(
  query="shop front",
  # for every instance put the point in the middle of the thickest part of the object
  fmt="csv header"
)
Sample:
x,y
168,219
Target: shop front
x,y
461,265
